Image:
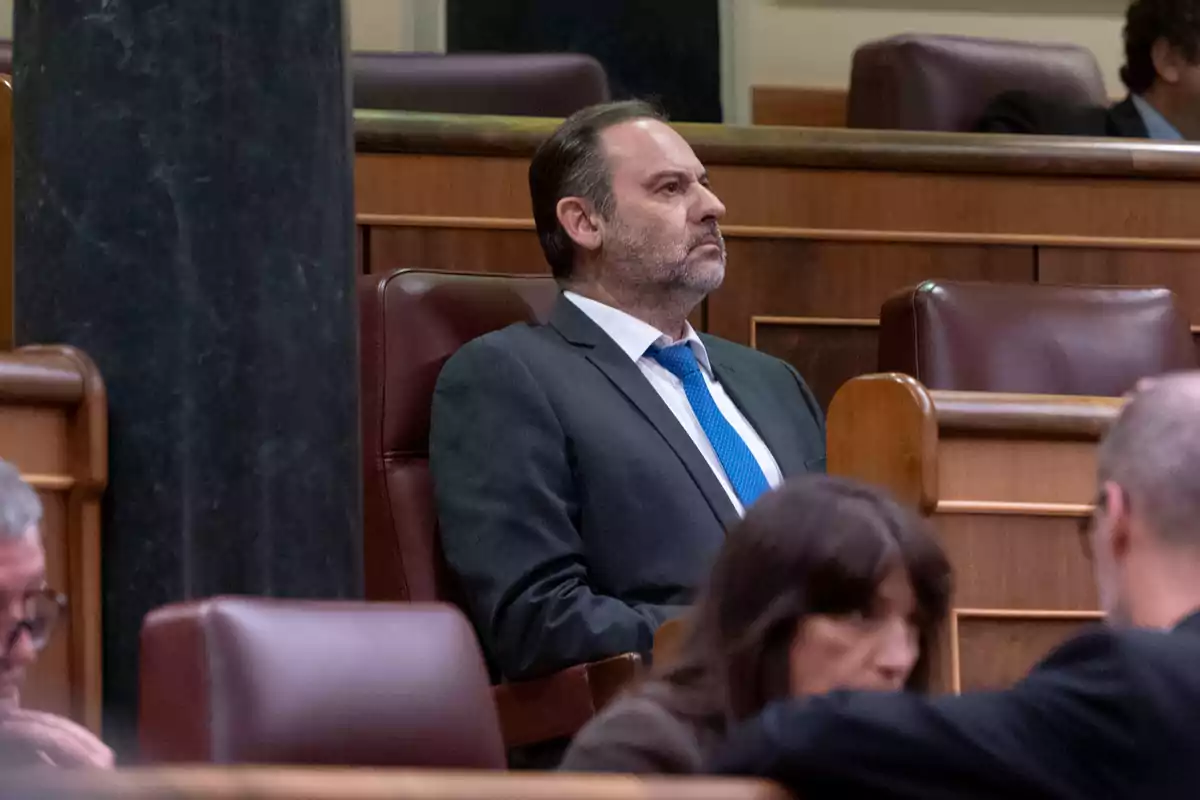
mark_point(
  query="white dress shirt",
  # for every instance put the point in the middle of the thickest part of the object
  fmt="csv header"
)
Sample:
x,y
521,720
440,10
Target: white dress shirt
x,y
635,337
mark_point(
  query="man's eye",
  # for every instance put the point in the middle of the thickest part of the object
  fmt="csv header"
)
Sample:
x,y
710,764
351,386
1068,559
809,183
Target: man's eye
x,y
671,188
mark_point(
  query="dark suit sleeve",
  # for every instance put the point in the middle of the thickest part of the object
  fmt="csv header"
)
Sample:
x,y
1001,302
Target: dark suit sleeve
x,y
1074,722
813,408
507,504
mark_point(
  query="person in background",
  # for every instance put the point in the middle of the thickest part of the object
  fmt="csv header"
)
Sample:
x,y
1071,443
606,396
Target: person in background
x,y
1110,713
826,584
586,470
1162,73
28,612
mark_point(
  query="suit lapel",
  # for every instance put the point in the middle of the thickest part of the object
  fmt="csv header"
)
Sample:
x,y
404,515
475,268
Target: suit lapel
x,y
578,329
760,414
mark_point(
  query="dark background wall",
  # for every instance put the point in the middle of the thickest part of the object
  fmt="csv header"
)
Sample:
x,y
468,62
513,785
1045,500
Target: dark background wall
x,y
669,50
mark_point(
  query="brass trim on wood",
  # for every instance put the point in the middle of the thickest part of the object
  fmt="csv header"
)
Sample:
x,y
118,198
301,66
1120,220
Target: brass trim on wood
x,y
1013,508
807,322
50,483
1050,615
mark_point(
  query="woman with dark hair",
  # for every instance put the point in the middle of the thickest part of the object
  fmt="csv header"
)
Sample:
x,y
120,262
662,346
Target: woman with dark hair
x,y
825,584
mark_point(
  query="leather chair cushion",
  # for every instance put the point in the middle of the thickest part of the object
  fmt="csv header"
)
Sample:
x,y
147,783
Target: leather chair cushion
x,y
944,83
411,323
255,680
540,84
1035,338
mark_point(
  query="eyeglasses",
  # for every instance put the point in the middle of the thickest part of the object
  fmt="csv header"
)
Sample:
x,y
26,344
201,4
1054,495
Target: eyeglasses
x,y
40,611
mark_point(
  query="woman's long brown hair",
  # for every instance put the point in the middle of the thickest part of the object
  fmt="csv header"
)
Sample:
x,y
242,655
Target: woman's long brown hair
x,y
817,545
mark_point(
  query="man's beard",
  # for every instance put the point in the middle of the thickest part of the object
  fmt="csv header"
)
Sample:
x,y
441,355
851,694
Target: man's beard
x,y
644,261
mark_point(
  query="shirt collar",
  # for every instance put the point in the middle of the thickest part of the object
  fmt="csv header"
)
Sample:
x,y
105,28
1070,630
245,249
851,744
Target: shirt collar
x,y
631,334
1157,126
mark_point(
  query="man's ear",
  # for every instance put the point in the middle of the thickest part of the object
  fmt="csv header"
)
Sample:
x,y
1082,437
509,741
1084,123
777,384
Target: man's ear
x,y
1168,61
1119,521
579,220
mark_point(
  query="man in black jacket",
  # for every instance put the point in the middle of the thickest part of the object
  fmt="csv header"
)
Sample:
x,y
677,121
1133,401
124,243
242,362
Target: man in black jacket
x,y
1162,73
1111,713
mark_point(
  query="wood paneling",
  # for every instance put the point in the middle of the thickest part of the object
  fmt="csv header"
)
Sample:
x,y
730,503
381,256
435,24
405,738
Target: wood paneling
x,y
797,106
997,651
827,355
1026,562
456,249
53,428
1007,480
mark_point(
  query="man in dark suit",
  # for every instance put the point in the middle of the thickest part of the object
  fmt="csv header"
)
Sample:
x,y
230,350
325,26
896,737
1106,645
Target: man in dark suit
x,y
1111,713
1162,73
586,470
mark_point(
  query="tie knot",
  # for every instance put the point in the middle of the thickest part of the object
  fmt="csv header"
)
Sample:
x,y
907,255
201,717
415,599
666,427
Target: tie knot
x,y
678,359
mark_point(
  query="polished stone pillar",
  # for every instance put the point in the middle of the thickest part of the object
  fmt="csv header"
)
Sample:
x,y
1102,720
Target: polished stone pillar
x,y
185,216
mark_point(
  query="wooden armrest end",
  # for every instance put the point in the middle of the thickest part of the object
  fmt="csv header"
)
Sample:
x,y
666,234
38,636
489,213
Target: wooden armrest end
x,y
558,705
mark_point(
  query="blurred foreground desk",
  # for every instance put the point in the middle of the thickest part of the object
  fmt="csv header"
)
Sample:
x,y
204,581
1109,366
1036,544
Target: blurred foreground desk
x,y
1007,481
364,784
822,224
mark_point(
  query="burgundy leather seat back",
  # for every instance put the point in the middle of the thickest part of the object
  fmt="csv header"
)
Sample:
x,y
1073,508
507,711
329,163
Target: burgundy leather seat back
x,y
254,680
1034,338
943,83
538,85
411,322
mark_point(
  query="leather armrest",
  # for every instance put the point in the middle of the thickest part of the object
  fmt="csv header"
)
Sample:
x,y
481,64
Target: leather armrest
x,y
558,705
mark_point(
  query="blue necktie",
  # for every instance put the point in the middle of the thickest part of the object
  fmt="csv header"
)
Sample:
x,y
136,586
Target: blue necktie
x,y
740,466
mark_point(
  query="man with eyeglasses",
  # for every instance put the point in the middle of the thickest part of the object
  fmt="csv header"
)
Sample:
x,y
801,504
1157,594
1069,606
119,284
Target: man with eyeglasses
x,y
1111,713
28,612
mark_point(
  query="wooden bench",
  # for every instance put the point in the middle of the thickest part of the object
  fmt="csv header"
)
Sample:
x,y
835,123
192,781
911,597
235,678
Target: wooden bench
x,y
54,429
1007,480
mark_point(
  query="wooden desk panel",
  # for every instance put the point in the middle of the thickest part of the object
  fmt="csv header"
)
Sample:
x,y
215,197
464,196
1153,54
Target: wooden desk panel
x,y
1006,481
298,783
822,224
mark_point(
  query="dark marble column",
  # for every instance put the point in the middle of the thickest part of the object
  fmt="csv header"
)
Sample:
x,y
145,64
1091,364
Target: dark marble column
x,y
185,216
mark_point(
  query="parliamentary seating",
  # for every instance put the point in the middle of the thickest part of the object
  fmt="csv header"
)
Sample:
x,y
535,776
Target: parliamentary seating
x,y
54,429
535,84
822,225
1035,338
345,784
924,82
1007,480
412,321
263,681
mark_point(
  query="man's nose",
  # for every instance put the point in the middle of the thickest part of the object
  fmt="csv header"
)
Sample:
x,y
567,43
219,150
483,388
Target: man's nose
x,y
21,652
709,206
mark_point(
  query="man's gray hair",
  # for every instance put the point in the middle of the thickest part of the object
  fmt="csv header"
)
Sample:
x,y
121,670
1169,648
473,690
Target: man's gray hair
x,y
1152,452
20,508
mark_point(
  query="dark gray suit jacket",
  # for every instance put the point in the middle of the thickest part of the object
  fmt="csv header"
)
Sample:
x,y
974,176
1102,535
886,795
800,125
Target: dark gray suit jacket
x,y
574,510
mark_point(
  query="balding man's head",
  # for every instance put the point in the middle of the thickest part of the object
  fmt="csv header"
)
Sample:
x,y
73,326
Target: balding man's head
x,y
1145,534
1153,453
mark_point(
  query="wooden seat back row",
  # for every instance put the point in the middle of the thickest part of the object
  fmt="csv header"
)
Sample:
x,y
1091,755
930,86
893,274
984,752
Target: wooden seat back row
x,y
1007,481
